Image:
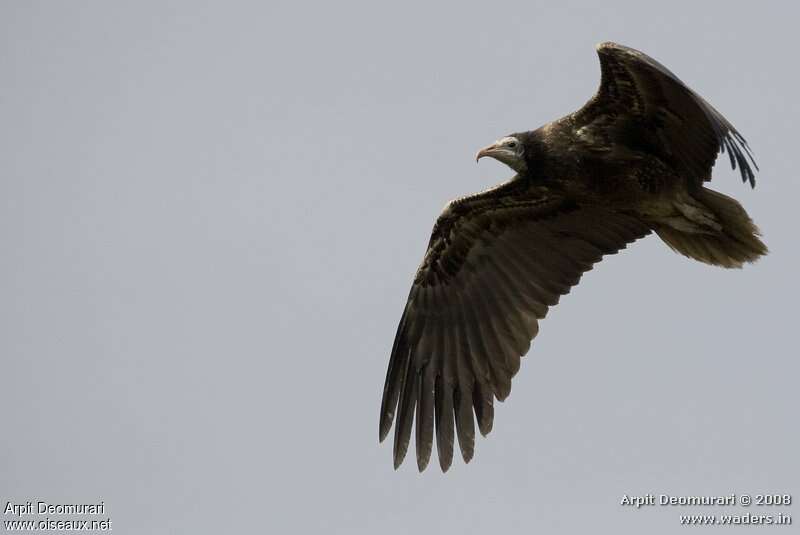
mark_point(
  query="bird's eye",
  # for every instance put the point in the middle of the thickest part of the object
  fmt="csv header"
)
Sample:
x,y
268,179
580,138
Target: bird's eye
x,y
511,144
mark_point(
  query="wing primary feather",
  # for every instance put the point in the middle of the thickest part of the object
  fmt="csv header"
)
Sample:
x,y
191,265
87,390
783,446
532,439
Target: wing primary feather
x,y
465,423
405,416
424,438
444,423
398,363
483,402
465,427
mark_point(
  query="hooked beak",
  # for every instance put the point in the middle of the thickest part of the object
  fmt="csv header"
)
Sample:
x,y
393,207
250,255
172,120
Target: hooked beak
x,y
486,151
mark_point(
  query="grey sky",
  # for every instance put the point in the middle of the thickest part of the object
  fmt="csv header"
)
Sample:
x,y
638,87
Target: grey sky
x,y
211,215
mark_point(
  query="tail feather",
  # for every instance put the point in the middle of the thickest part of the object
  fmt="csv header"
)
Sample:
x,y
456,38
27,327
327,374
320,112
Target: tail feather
x,y
736,243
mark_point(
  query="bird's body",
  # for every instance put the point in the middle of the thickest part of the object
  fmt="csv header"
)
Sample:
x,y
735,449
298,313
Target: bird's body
x,y
616,176
631,161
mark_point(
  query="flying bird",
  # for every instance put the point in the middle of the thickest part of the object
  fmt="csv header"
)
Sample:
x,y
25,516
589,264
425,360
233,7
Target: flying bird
x,y
633,160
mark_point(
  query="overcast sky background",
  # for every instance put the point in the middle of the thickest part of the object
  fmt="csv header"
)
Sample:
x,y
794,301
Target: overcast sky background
x,y
210,216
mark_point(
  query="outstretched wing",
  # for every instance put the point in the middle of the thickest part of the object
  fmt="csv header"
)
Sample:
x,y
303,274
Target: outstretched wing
x,y
642,102
495,262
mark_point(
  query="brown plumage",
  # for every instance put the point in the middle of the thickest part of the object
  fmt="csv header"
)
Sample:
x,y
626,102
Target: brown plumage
x,y
633,160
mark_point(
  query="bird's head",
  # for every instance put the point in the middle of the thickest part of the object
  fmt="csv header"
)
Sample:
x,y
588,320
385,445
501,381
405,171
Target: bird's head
x,y
510,150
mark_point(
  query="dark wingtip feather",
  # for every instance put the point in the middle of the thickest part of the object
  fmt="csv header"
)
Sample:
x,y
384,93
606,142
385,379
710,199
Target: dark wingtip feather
x,y
387,414
739,153
444,424
424,439
386,419
483,402
445,464
395,375
465,425
405,416
383,430
400,450
422,463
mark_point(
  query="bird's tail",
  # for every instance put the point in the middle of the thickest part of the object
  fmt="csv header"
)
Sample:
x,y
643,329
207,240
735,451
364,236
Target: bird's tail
x,y
734,241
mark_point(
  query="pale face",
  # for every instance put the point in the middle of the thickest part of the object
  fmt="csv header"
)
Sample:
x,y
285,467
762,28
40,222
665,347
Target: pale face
x,y
508,150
